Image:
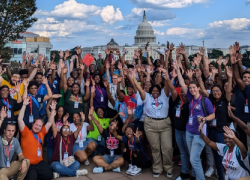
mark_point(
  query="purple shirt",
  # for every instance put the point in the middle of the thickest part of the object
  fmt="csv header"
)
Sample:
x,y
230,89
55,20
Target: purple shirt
x,y
98,94
198,111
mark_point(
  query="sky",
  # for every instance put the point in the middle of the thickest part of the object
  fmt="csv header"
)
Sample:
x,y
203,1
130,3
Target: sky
x,y
69,23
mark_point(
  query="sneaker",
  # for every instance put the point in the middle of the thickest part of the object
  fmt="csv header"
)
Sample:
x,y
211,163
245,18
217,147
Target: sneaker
x,y
209,172
135,171
55,175
169,175
82,172
117,170
98,170
156,174
179,163
184,176
130,168
178,178
86,163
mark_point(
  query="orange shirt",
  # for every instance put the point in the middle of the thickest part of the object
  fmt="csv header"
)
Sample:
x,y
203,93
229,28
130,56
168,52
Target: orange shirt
x,y
29,144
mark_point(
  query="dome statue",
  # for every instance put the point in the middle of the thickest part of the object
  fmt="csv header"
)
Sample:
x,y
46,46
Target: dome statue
x,y
144,33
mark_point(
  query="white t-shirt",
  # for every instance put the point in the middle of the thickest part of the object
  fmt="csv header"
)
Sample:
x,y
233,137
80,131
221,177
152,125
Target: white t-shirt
x,y
139,102
234,170
113,92
154,111
82,134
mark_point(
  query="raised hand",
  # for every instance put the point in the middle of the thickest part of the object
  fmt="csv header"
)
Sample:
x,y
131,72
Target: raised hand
x,y
119,79
113,61
237,46
228,132
82,116
66,55
17,87
82,67
146,47
229,71
3,113
198,73
25,83
53,66
92,89
87,83
44,80
202,51
93,82
61,54
56,96
65,70
26,101
232,54
190,74
130,112
201,126
219,61
53,105
119,65
137,134
171,47
182,46
214,71
65,118
122,114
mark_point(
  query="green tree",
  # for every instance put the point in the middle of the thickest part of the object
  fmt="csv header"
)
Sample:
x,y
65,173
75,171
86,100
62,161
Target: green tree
x,y
215,54
16,16
57,55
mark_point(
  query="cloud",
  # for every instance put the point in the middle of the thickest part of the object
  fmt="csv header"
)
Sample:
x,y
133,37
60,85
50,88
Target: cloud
x,y
236,24
163,4
247,2
110,15
159,33
186,32
158,23
152,15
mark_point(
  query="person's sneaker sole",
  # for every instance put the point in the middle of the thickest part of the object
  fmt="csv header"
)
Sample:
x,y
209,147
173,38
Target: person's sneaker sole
x,y
169,175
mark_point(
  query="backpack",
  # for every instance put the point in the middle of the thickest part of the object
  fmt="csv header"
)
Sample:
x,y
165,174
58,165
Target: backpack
x,y
238,157
138,111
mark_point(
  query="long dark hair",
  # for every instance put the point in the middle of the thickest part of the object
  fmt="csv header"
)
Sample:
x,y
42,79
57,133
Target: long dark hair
x,y
101,82
211,97
56,116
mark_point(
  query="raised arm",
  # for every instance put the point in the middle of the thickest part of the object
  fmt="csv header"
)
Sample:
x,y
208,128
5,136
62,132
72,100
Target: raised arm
x,y
21,123
181,80
119,93
92,96
205,62
33,73
111,100
219,62
47,107
79,128
90,127
201,84
130,112
52,116
87,93
3,115
8,72
169,86
139,88
230,82
49,92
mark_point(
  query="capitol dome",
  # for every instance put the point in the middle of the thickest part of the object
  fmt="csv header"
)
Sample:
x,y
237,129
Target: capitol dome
x,y
144,33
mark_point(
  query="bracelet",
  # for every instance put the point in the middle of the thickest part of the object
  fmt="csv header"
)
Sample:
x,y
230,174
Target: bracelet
x,y
198,67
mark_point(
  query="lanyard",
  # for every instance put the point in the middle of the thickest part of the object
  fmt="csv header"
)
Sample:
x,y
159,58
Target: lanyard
x,y
246,101
194,105
156,102
30,105
37,141
7,103
8,151
131,149
111,141
182,102
76,97
38,89
228,159
66,146
100,91
80,133
215,107
123,110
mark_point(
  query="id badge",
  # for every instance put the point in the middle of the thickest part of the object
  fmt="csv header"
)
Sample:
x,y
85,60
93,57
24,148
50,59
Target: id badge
x,y
65,155
178,112
102,98
39,153
8,163
81,144
8,114
31,118
99,138
246,109
39,99
157,113
214,122
131,146
190,120
111,152
133,111
226,177
76,105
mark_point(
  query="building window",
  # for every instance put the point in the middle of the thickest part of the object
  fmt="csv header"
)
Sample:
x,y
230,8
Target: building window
x,y
17,50
47,50
34,50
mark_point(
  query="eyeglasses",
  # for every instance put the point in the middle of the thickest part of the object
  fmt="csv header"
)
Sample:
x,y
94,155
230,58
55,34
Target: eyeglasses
x,y
65,129
130,131
215,91
11,122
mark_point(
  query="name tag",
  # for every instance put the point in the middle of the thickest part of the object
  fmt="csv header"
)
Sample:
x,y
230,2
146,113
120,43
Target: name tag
x,y
65,155
133,111
204,129
39,153
111,152
76,104
99,138
214,122
31,119
81,144
102,98
131,146
8,163
178,112
190,120
8,114
157,113
246,109
39,99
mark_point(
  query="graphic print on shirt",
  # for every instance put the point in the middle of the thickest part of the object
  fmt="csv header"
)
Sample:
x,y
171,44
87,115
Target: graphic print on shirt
x,y
198,107
12,92
73,98
157,104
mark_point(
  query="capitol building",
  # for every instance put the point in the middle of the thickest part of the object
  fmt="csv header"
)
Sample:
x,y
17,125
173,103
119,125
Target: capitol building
x,y
144,34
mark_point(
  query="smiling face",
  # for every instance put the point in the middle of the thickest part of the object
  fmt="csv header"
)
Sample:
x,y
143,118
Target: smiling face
x,y
147,86
76,118
246,79
112,127
60,112
14,79
70,81
193,89
33,90
100,113
39,78
115,79
97,79
65,131
155,93
229,142
130,91
216,92
129,132
4,93
75,74
37,126
75,89
92,68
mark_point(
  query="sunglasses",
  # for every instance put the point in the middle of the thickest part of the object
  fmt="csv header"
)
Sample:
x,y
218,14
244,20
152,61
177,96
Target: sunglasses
x,y
65,129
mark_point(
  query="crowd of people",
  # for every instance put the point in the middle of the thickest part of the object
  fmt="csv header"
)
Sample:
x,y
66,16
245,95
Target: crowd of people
x,y
116,111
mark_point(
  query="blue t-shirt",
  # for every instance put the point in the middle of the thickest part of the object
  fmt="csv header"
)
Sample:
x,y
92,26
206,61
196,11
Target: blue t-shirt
x,y
36,104
121,107
42,90
198,111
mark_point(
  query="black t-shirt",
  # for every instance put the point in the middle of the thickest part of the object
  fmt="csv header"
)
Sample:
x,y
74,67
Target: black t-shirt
x,y
241,98
180,122
247,91
221,115
106,135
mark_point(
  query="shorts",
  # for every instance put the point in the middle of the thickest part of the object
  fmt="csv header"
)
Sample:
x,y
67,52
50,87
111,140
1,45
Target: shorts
x,y
76,146
109,159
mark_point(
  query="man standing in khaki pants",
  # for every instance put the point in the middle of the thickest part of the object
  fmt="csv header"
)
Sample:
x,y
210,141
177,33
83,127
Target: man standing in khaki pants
x,y
8,146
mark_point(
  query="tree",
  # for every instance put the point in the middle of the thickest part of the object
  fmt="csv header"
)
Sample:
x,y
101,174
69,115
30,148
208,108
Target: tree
x,y
15,17
57,55
215,54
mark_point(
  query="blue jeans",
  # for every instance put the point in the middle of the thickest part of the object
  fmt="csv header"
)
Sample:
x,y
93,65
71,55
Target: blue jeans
x,y
63,170
100,145
180,137
219,138
109,159
50,152
195,146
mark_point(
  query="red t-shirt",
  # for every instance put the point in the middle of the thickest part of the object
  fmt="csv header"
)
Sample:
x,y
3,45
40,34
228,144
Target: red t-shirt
x,y
129,102
70,142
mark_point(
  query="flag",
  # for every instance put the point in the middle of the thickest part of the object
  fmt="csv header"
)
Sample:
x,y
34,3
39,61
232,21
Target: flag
x,y
88,59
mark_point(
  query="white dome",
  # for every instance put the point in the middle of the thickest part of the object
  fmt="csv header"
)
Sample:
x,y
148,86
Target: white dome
x,y
144,33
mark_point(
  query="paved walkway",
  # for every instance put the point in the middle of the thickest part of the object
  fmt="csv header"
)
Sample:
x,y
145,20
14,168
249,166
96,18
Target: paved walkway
x,y
146,175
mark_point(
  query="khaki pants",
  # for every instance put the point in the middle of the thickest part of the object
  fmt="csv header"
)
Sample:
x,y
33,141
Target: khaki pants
x,y
245,178
159,135
6,173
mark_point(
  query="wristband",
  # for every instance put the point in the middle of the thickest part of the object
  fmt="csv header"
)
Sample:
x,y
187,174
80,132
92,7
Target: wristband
x,y
198,67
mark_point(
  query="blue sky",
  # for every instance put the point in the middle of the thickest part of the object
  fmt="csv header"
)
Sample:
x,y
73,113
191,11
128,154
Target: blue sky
x,y
87,23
